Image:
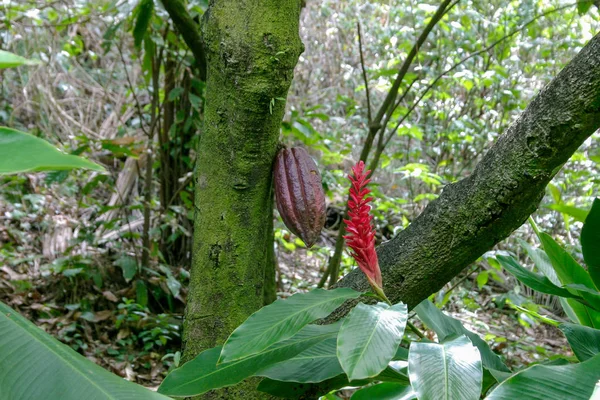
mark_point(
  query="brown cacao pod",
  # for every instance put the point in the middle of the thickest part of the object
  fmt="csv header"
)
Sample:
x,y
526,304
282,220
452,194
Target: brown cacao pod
x,y
299,194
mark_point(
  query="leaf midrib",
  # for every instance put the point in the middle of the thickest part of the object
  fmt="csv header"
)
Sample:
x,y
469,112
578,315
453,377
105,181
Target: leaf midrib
x,y
282,322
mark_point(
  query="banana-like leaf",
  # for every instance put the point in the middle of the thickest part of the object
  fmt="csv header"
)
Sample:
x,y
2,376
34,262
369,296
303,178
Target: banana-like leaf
x,y
445,371
203,373
543,382
281,320
22,152
445,326
385,391
369,338
34,365
590,242
584,341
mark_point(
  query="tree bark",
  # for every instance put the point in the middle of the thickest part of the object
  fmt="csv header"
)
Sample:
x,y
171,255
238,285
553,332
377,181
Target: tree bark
x,y
251,49
474,214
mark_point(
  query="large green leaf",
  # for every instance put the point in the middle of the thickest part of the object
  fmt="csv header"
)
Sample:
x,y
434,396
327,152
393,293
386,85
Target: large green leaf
x,y
584,341
34,365
446,371
316,364
542,382
445,326
22,152
578,214
567,269
369,338
385,391
535,281
10,60
281,320
295,390
590,242
203,374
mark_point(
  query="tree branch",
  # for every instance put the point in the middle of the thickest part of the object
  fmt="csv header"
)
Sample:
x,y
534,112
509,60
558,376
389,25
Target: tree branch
x,y
188,28
474,214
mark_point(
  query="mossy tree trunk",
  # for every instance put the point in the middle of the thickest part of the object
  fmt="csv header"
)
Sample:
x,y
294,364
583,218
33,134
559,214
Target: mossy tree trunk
x,y
251,49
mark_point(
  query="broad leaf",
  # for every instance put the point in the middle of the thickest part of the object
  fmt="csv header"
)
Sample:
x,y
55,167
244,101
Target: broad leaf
x,y
590,242
34,365
281,320
203,374
567,269
10,60
22,152
542,382
446,371
385,391
316,364
294,390
369,338
578,214
445,327
584,341
531,279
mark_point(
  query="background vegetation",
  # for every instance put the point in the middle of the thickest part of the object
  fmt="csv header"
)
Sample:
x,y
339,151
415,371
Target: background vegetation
x,y
101,260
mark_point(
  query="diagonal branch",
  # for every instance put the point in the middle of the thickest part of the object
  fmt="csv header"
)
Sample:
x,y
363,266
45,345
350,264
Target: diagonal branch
x,y
474,214
188,28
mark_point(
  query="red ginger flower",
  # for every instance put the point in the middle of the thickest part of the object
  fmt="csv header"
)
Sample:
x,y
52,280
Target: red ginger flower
x,y
361,235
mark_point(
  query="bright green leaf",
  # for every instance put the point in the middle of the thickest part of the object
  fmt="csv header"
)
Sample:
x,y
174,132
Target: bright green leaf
x,y
22,152
446,371
10,60
385,391
34,365
542,382
567,269
369,338
281,320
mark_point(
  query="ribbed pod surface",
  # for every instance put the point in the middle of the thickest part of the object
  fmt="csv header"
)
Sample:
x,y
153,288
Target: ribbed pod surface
x,y
299,194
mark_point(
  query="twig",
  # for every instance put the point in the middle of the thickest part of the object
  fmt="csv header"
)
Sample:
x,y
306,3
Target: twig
x,y
364,72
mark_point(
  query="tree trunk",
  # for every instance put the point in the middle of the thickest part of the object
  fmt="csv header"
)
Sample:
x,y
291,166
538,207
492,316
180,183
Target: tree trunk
x,y
251,49
474,214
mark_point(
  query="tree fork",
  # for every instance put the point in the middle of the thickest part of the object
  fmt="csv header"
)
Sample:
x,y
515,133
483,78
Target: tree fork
x,y
474,214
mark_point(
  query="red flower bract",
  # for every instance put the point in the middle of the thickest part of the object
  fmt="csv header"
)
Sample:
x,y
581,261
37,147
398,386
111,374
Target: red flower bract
x,y
361,236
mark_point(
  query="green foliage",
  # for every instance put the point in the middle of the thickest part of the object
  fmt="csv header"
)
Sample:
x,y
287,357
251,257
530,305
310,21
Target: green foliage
x,y
10,60
281,320
22,152
584,341
52,370
541,382
448,370
590,242
369,337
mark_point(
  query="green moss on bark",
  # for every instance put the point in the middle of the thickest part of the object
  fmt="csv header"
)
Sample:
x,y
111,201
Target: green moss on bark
x,y
251,50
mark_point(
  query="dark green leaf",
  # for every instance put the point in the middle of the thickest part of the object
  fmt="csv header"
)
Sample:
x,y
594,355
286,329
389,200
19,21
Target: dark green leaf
x,y
385,391
567,269
203,374
294,390
145,10
531,279
590,242
584,341
128,266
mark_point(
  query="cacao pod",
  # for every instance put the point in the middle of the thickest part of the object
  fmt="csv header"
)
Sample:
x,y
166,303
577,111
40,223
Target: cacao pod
x,y
299,194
